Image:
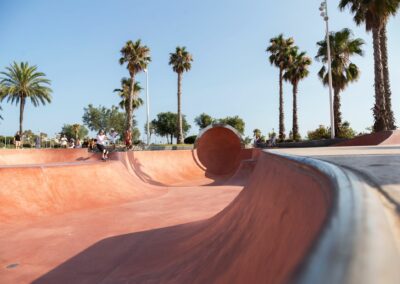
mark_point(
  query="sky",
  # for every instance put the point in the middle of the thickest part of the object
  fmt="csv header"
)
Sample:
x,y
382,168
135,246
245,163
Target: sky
x,y
77,45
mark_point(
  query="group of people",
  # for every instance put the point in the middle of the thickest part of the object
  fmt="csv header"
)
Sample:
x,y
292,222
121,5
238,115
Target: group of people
x,y
258,142
100,142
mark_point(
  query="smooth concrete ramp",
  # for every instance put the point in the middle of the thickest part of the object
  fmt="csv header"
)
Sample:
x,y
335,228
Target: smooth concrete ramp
x,y
229,216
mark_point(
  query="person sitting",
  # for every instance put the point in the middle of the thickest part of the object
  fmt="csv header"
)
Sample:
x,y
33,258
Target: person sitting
x,y
101,139
78,143
64,142
71,143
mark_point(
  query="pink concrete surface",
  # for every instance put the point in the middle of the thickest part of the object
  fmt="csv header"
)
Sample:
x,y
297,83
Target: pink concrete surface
x,y
391,137
157,216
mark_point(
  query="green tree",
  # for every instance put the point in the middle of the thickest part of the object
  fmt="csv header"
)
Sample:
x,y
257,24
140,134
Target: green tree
x,y
96,118
0,114
234,121
152,128
74,131
181,61
76,127
321,132
257,133
21,82
296,72
124,92
137,57
346,131
375,14
344,72
165,125
203,120
279,50
28,136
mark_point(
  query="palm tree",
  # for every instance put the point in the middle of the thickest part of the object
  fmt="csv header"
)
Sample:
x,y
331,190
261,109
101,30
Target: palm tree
x,y
386,80
375,14
123,93
257,133
344,72
22,82
137,57
279,49
75,128
296,72
181,61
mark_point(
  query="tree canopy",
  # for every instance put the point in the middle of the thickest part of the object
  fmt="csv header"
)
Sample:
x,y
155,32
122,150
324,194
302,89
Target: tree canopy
x,y
234,121
20,82
96,118
203,120
165,125
72,131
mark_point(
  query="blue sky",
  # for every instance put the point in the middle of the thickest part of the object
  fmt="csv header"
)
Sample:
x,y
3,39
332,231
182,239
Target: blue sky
x,y
77,43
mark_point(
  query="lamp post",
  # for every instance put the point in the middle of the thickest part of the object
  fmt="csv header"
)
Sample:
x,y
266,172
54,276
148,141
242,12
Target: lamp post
x,y
324,14
148,106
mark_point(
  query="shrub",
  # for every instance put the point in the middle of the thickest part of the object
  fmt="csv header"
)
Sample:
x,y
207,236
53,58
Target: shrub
x,y
346,131
321,132
190,139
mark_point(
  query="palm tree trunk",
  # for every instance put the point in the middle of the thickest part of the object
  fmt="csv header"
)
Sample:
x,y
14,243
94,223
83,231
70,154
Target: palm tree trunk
x,y
295,129
336,111
21,114
386,79
379,108
180,131
129,115
281,111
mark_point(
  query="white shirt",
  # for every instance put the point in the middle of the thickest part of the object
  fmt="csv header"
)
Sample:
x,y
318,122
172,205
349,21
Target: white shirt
x,y
101,139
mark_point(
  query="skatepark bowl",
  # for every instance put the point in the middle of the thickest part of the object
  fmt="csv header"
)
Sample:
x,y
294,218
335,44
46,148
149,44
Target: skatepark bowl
x,y
216,214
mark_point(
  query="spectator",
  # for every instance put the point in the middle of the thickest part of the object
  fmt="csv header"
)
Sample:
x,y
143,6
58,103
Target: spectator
x,y
64,141
17,140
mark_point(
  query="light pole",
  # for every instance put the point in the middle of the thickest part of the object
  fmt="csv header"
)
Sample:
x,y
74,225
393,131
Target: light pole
x,y
148,106
324,14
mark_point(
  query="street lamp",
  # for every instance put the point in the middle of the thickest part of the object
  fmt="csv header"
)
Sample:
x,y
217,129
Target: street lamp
x,y
148,106
324,14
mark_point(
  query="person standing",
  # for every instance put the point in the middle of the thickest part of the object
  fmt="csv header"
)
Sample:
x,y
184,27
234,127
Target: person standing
x,y
17,140
37,142
101,139
113,137
128,139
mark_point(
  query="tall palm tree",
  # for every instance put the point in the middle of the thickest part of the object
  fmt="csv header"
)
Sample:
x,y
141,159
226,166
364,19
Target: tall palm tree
x,y
123,93
279,49
181,61
386,78
137,57
344,72
75,128
375,14
296,72
21,82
